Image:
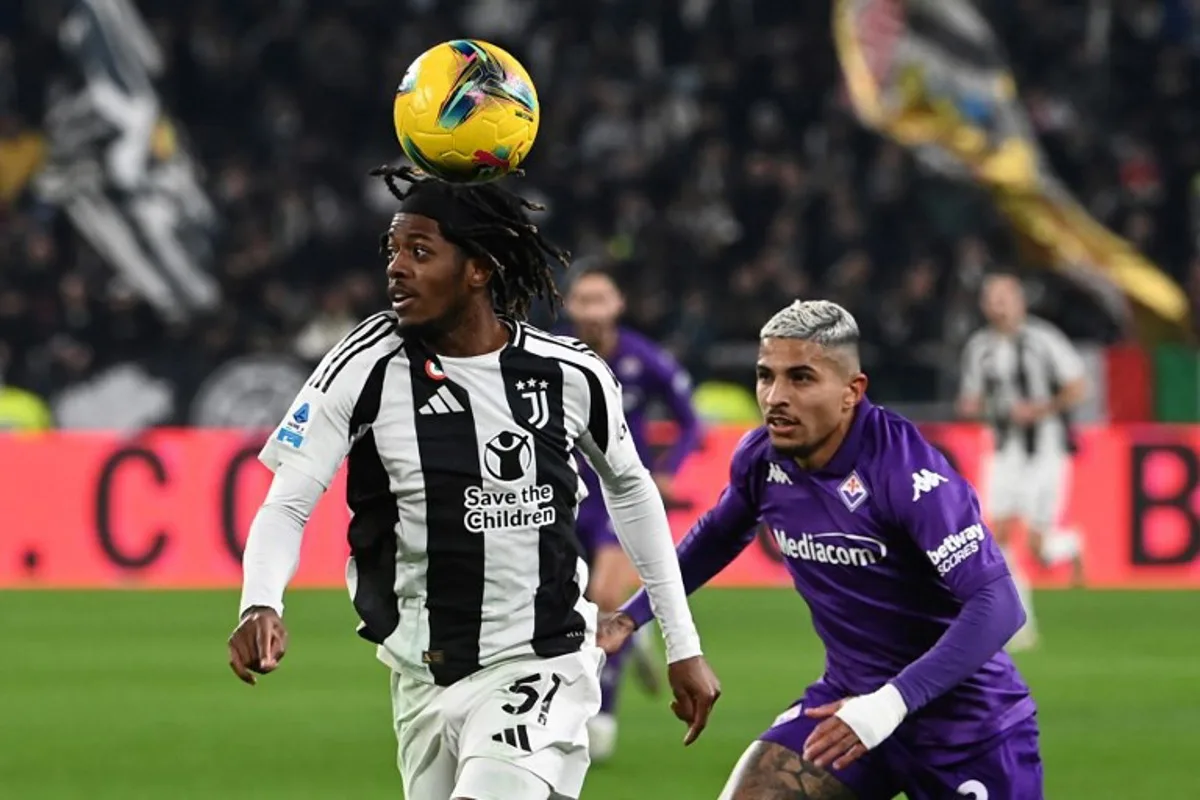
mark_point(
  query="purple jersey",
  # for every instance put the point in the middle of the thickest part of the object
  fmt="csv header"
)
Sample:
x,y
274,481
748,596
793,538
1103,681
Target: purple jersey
x,y
885,544
647,374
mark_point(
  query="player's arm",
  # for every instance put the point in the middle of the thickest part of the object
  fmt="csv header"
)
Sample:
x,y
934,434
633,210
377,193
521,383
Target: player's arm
x,y
1069,373
305,452
640,520
714,541
945,523
638,516
674,387
970,394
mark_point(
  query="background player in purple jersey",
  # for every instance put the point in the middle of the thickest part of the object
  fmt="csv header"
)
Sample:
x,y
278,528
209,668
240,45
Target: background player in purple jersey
x,y
648,375
908,591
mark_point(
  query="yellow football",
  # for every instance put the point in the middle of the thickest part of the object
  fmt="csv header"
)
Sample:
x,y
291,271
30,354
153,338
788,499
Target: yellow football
x,y
466,111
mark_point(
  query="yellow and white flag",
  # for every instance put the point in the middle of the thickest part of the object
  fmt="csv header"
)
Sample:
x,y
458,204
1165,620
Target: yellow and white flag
x,y
929,74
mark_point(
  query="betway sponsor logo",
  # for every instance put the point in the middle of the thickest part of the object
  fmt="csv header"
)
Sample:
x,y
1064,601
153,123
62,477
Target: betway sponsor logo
x,y
844,549
956,548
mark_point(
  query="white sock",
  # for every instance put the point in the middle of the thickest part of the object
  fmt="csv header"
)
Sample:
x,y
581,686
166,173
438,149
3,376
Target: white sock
x,y
602,737
1061,545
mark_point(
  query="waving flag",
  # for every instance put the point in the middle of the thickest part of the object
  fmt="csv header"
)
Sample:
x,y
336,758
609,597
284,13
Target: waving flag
x,y
117,167
930,75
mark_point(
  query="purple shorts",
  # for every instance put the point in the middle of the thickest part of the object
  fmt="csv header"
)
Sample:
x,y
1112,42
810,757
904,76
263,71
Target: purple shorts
x,y
1008,769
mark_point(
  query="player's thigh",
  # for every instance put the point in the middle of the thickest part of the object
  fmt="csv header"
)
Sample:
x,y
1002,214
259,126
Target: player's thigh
x,y
1007,483
1012,770
773,768
426,761
533,714
482,778
1051,475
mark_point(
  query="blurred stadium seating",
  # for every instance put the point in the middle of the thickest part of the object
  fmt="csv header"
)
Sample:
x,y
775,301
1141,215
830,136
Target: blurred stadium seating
x,y
706,149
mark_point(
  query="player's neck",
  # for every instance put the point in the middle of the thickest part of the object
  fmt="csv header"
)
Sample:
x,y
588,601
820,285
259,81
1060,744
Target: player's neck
x,y
476,332
826,450
606,343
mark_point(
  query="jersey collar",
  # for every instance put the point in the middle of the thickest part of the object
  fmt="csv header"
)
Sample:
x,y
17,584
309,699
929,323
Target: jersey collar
x,y
846,457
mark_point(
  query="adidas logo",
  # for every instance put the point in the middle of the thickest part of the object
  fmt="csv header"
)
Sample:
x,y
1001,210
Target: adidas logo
x,y
775,474
517,737
442,402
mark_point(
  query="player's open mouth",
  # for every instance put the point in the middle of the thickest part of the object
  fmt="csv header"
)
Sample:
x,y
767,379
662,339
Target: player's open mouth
x,y
781,424
401,300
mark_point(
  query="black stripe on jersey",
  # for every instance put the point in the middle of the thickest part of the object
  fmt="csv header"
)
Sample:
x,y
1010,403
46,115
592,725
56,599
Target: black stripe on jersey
x,y
454,576
374,516
369,332
597,403
534,389
573,345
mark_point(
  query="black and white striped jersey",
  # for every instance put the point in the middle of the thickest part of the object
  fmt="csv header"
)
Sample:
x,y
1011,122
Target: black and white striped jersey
x,y
1031,365
462,489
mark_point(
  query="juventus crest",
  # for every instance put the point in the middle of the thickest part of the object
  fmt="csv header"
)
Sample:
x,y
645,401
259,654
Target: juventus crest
x,y
534,392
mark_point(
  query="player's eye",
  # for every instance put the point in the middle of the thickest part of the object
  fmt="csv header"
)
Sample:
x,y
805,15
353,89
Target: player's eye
x,y
420,252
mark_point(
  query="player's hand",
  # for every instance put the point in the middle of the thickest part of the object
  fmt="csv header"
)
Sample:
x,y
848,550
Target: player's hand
x,y
1024,413
696,689
257,644
832,741
613,631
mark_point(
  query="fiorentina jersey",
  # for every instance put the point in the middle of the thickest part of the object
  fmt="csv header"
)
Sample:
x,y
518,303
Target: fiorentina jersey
x,y
885,543
647,373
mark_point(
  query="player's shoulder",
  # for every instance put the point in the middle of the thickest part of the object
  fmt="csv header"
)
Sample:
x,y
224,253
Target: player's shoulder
x,y
752,453
559,347
979,338
1044,329
648,353
899,457
357,351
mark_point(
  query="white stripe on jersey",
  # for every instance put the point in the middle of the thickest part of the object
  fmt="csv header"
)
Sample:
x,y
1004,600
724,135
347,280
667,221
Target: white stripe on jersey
x,y
1030,366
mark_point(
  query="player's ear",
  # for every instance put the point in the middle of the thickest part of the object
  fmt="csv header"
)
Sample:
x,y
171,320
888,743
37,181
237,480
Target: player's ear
x,y
855,389
479,272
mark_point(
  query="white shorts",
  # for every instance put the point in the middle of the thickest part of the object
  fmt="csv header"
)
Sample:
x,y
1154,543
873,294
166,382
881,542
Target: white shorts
x,y
512,731
1032,488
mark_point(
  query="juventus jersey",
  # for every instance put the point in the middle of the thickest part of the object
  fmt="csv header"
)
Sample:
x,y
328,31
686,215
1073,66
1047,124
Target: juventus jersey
x,y
1031,365
462,489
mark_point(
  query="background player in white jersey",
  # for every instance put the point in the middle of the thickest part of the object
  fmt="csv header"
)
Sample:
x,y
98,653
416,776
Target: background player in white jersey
x,y
458,422
1022,375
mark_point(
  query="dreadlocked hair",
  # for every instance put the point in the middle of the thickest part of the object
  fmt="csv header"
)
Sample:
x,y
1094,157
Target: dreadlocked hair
x,y
508,241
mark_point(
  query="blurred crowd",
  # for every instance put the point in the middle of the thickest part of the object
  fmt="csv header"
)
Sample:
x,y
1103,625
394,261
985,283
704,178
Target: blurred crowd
x,y
703,148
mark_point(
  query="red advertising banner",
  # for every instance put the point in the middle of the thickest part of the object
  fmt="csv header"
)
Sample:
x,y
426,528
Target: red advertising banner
x,y
171,508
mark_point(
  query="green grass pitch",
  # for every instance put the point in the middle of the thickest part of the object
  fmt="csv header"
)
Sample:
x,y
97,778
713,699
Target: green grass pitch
x,y
128,695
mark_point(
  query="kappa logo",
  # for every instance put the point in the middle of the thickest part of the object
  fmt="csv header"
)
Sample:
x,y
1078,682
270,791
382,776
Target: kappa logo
x,y
775,474
442,402
853,491
539,406
925,481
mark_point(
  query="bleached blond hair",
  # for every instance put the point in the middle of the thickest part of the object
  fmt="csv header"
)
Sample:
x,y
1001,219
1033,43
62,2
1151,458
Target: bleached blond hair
x,y
820,321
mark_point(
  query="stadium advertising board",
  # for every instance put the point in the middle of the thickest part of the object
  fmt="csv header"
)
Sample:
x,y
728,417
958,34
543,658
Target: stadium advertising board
x,y
171,508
